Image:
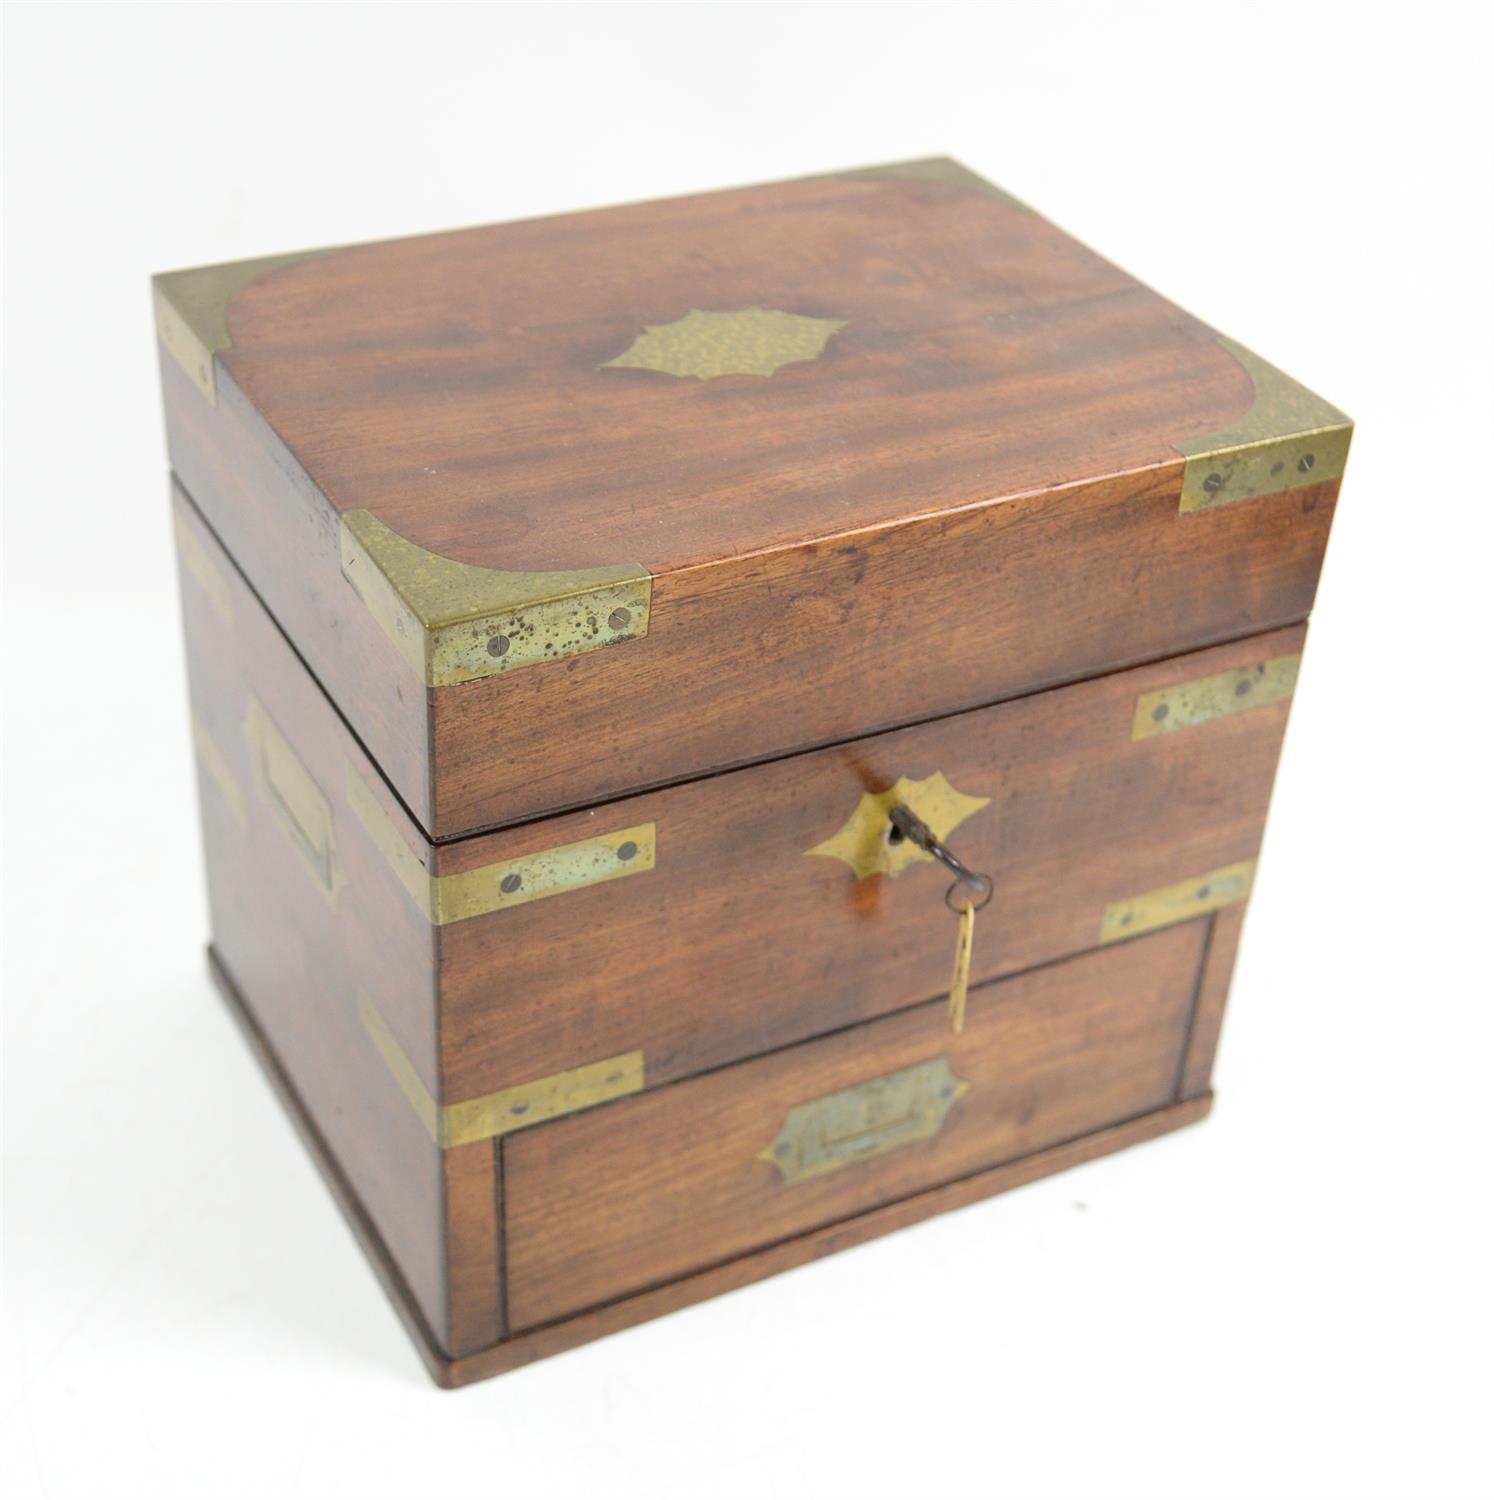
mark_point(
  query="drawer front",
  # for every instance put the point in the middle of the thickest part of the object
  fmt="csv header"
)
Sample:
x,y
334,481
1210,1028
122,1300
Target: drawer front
x,y
765,909
651,1188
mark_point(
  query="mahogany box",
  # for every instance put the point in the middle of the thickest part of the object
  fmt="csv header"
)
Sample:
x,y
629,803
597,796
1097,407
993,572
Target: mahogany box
x,y
726,726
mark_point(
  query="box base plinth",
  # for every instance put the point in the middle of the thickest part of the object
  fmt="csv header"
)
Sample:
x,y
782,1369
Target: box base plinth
x,y
555,1338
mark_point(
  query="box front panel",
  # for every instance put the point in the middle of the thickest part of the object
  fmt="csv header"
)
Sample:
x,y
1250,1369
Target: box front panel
x,y
647,1190
772,905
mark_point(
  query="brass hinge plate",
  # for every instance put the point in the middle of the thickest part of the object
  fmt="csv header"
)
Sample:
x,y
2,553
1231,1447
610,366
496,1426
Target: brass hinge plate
x,y
454,622
866,1120
1216,696
1289,439
1179,902
504,1110
511,882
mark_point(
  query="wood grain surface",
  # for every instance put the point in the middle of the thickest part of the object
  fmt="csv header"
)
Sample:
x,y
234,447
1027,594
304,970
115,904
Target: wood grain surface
x,y
1080,815
649,1189
971,494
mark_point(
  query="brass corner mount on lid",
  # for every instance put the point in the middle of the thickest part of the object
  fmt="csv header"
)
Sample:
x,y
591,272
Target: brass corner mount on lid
x,y
456,622
1289,439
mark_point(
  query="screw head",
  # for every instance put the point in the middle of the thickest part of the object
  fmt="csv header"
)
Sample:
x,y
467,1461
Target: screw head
x,y
498,645
619,619
510,883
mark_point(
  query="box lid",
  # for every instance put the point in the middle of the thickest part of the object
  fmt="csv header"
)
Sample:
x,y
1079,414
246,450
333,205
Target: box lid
x,y
561,509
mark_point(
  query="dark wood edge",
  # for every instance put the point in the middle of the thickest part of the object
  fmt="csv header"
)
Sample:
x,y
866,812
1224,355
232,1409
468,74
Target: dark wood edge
x,y
555,1338
1214,981
363,1227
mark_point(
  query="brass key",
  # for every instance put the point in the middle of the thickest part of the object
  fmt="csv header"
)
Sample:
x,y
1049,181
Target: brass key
x,y
969,893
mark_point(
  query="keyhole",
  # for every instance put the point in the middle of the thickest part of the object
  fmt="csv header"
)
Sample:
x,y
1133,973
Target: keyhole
x,y
895,835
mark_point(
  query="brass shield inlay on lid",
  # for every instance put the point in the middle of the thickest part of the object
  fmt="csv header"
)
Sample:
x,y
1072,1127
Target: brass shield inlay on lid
x,y
854,1124
749,341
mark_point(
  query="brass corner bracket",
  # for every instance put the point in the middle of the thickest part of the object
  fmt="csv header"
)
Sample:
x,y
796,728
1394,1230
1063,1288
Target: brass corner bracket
x,y
1179,902
455,622
505,883
1217,696
1289,439
489,1115
192,311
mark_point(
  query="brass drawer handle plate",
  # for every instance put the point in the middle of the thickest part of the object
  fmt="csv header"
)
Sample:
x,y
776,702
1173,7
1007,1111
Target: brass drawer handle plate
x,y
868,1120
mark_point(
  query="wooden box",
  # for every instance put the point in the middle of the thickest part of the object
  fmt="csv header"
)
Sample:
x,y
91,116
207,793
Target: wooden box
x,y
601,629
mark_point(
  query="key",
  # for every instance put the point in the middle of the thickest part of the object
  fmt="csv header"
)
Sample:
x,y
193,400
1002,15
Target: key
x,y
970,892
960,980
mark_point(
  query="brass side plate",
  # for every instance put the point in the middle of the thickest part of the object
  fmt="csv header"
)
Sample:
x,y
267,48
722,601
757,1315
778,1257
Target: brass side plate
x,y
287,787
865,841
192,311
748,341
509,882
1288,439
868,1120
1177,903
1216,696
496,1114
198,562
454,622
219,773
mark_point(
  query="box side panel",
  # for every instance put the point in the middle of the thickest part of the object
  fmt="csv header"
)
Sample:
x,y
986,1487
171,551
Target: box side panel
x,y
304,931
284,536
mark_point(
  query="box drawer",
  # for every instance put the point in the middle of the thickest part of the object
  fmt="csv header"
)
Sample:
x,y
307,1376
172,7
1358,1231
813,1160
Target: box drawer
x,y
651,1188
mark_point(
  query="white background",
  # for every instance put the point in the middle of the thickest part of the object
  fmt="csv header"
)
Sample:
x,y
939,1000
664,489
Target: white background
x,y
1292,1299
